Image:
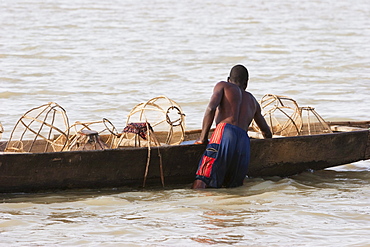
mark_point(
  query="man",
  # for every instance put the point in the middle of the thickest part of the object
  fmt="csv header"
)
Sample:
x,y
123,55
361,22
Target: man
x,y
226,159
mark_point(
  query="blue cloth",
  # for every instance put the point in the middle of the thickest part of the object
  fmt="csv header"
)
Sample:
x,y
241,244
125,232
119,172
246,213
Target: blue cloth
x,y
226,159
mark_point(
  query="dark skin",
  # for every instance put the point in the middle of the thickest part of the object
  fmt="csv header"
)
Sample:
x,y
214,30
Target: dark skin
x,y
231,104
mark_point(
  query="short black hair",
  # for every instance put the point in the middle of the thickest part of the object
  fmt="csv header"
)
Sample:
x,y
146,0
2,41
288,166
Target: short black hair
x,y
239,74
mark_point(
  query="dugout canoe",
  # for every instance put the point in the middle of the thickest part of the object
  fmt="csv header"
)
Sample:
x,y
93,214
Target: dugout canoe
x,y
109,168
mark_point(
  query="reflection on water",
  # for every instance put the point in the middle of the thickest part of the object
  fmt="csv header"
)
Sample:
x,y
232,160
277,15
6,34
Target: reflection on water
x,y
310,207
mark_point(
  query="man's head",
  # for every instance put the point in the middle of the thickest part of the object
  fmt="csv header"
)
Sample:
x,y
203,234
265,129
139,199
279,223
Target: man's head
x,y
239,76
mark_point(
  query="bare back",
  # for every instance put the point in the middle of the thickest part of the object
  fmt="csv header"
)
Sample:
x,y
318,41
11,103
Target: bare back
x,y
231,104
237,107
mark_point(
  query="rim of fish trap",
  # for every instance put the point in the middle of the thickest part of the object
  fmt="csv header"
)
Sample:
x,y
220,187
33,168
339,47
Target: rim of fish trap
x,y
40,123
164,115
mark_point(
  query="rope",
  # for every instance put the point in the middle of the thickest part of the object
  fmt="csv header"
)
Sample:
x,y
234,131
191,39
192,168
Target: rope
x,y
149,132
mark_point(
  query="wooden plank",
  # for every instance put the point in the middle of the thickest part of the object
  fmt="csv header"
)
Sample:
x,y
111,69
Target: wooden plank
x,y
360,124
344,128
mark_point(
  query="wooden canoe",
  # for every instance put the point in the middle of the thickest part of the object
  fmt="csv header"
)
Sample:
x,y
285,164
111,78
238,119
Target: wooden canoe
x,y
109,168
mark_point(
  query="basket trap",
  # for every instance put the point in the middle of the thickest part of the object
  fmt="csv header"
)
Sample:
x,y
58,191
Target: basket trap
x,y
286,118
162,122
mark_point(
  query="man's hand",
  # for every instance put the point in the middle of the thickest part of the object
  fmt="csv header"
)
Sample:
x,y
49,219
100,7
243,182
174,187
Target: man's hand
x,y
201,142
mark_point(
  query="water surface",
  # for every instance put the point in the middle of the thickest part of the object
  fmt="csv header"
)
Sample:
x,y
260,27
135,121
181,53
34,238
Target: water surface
x,y
100,58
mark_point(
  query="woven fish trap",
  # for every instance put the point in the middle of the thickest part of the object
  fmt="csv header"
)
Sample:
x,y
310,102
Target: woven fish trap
x,y
286,118
164,116
94,135
41,129
312,122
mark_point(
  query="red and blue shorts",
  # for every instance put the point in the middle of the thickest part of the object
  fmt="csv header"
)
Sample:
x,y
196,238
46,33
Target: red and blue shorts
x,y
226,159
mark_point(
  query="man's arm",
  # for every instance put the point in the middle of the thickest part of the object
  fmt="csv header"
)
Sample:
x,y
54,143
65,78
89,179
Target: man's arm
x,y
261,122
210,112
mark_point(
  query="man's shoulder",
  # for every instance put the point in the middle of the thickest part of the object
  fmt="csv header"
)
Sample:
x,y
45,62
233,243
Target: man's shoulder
x,y
222,83
225,84
250,97
248,94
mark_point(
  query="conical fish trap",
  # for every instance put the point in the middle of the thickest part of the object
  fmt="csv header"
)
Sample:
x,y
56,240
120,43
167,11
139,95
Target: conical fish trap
x,y
286,118
41,129
165,117
281,114
92,135
312,122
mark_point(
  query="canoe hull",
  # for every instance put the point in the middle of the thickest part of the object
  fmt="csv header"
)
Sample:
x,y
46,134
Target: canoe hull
x,y
97,169
27,172
292,155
